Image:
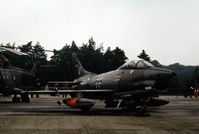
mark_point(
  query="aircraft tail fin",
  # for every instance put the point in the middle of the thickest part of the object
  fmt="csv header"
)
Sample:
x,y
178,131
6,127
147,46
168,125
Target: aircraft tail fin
x,y
78,68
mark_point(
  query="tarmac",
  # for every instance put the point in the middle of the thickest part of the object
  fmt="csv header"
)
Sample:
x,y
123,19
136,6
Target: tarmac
x,y
44,116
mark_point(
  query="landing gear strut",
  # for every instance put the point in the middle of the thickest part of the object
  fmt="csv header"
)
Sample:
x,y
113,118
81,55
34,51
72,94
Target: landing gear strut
x,y
136,105
140,110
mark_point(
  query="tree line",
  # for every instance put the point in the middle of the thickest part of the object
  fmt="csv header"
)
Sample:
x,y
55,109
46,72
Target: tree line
x,y
95,59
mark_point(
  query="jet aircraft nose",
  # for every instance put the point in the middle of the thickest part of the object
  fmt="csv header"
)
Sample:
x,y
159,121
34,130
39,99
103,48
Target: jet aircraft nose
x,y
164,73
159,73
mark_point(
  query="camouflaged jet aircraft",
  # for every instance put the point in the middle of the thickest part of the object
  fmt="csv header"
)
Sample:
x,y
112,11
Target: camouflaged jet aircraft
x,y
13,80
130,86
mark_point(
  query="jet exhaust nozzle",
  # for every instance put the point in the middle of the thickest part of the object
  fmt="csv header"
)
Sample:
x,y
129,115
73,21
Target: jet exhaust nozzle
x,y
159,73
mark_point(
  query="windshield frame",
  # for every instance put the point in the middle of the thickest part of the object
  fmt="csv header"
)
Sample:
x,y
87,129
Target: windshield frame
x,y
147,63
135,66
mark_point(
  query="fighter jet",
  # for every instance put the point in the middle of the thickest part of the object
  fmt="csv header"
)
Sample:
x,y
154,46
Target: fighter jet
x,y
14,80
131,86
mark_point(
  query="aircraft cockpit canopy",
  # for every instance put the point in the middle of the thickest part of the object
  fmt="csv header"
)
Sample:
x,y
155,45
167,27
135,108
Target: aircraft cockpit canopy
x,y
136,64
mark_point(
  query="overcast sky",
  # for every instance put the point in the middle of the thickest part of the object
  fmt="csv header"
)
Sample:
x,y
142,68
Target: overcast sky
x,y
167,29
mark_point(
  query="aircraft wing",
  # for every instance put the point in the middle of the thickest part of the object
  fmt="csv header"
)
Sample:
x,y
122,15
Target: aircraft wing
x,y
52,85
130,92
124,94
69,91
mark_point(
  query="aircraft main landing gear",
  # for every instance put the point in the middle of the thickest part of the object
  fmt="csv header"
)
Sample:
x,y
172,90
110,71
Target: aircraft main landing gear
x,y
25,98
140,110
135,105
16,99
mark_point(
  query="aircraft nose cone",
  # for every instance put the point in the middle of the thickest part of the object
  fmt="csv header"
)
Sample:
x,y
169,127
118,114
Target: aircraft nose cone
x,y
159,73
168,73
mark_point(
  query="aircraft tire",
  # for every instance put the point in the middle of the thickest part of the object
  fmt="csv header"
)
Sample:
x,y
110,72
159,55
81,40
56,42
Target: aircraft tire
x,y
141,111
25,98
16,99
137,110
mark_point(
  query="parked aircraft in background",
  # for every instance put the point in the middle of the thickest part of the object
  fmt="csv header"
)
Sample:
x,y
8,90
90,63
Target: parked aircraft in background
x,y
13,80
